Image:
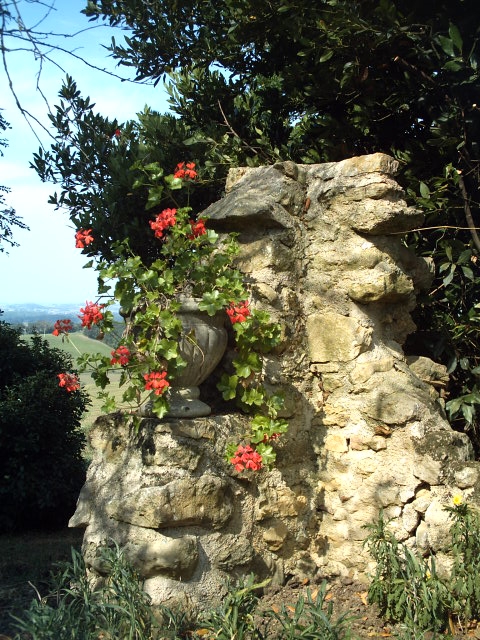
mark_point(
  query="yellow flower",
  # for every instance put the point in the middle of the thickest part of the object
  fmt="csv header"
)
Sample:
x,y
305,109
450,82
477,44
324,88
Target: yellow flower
x,y
457,500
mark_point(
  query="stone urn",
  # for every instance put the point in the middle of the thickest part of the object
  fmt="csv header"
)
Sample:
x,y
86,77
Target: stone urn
x,y
202,345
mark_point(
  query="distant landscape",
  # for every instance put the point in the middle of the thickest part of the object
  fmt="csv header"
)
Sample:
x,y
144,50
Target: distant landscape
x,y
30,313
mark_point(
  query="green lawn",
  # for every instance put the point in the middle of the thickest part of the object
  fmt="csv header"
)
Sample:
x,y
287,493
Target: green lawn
x,y
75,343
26,561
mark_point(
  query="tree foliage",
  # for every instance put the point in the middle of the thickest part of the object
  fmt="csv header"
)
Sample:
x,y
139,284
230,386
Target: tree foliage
x,y
255,82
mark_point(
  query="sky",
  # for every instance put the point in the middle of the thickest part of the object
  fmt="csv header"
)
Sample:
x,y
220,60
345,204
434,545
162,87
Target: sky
x,y
46,268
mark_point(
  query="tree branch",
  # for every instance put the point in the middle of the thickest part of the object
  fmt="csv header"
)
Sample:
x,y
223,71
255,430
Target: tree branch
x,y
468,212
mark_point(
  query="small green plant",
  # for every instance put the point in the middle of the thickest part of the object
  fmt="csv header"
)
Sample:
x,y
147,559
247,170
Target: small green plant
x,y
406,587
310,619
79,609
175,623
234,619
465,549
74,610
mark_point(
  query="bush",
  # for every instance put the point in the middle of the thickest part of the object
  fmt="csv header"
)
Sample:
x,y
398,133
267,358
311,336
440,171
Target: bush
x,y
40,440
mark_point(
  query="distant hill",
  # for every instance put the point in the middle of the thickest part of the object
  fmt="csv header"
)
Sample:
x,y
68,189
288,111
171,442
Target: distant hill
x,y
29,313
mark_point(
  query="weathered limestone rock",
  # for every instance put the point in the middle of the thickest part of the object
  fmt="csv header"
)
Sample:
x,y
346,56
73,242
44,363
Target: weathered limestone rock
x,y
204,503
332,336
322,247
176,558
275,535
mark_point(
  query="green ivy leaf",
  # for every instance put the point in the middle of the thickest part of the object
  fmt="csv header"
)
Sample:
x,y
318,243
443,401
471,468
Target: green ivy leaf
x,y
168,349
268,454
154,197
246,365
228,386
160,406
252,397
109,404
212,302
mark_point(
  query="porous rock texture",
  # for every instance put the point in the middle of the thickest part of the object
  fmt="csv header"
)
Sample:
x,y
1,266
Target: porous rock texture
x,y
322,247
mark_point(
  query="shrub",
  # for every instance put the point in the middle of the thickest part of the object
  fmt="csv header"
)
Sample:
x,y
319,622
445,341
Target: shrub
x,y
40,440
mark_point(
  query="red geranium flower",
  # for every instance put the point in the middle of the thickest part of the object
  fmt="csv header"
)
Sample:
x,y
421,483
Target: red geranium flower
x,y
185,170
156,382
121,356
69,381
91,314
83,238
198,228
246,458
239,312
167,218
62,326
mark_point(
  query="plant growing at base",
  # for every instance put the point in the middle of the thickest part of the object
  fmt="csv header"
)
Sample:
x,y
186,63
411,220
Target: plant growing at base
x,y
75,609
407,587
191,261
310,619
465,549
120,608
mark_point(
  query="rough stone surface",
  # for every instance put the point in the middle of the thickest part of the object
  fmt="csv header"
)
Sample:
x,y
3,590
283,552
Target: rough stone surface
x,y
180,502
322,246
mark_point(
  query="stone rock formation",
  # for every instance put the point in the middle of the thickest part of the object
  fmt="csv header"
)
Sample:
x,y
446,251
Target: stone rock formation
x,y
322,247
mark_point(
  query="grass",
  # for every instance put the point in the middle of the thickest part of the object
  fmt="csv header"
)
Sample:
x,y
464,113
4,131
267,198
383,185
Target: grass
x,y
95,408
26,560
76,343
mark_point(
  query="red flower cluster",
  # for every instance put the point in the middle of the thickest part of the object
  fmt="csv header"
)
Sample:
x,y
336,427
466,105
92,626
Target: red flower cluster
x,y
198,228
246,458
164,219
62,326
185,170
156,382
69,381
239,312
91,314
83,237
121,356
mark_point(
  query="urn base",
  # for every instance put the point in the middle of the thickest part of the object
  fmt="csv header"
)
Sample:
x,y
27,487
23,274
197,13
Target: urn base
x,y
184,403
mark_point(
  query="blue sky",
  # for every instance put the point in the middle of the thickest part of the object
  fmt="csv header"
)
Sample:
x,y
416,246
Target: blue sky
x,y
46,268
